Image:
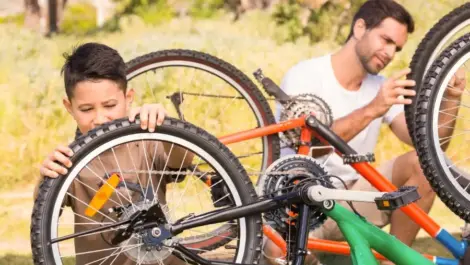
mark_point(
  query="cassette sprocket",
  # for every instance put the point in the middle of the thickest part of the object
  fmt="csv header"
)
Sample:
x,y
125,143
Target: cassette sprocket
x,y
281,177
304,104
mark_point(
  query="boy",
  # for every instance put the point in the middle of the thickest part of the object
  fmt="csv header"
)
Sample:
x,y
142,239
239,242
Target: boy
x,y
96,88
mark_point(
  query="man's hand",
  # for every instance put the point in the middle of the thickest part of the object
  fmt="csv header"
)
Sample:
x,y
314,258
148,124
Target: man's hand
x,y
456,85
51,167
151,115
392,92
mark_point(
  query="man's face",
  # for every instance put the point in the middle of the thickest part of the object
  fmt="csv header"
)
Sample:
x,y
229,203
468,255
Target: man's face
x,y
378,46
95,102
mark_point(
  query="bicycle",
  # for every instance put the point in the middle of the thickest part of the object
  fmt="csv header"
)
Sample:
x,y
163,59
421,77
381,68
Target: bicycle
x,y
232,177
431,228
163,73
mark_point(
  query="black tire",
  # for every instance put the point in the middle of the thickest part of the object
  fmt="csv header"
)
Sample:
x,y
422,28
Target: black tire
x,y
427,52
225,71
83,147
433,161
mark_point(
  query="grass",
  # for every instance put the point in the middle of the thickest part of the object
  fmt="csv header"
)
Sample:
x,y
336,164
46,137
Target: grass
x,y
33,121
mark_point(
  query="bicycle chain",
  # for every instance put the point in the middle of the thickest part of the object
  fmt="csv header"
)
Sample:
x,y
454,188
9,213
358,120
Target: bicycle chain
x,y
174,172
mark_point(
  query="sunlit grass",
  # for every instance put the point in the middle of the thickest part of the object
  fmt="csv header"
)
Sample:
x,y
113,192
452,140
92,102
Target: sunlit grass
x,y
33,120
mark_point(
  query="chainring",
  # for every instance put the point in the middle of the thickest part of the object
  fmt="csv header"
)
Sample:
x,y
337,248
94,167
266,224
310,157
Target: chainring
x,y
280,178
299,105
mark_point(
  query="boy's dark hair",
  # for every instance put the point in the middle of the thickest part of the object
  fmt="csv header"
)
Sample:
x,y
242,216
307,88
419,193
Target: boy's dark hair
x,y
92,61
373,12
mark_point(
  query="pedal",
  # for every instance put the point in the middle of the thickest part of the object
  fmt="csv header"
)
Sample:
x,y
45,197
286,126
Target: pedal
x,y
396,199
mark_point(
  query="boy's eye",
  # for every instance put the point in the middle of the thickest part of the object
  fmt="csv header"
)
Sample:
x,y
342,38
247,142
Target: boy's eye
x,y
110,106
85,110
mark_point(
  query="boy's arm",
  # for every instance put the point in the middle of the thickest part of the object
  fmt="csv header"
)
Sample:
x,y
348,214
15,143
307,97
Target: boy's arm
x,y
52,166
177,157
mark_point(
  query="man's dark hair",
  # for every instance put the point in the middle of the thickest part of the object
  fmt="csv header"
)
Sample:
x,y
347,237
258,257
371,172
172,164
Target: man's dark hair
x,y
373,12
93,61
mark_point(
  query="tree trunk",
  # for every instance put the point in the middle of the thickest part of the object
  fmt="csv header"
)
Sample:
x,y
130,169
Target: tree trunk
x,y
44,16
32,13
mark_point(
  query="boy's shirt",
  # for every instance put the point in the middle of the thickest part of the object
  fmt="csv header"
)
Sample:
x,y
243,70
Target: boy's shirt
x,y
134,160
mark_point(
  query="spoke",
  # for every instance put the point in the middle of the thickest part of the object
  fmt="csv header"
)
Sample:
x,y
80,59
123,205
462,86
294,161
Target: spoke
x,y
84,223
182,256
106,183
185,189
155,198
123,179
90,252
107,175
448,137
458,89
213,234
199,249
85,217
106,258
125,244
179,170
455,129
458,161
86,185
143,258
149,180
211,95
225,196
91,207
465,65
135,168
447,109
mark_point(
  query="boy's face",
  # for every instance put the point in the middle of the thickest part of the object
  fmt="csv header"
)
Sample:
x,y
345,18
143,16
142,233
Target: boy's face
x,y
377,47
96,102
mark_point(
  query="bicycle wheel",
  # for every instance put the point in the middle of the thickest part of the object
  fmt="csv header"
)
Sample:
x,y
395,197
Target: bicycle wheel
x,y
447,29
441,128
211,94
122,148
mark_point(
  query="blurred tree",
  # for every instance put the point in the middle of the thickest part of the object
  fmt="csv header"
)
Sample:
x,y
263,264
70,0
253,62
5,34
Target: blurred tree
x,y
241,6
316,19
32,14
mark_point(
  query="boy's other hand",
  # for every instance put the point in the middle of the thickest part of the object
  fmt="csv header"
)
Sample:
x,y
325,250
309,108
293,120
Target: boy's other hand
x,y
51,167
151,116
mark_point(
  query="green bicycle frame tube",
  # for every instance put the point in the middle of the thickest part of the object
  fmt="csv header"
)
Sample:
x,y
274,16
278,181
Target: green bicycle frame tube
x,y
363,236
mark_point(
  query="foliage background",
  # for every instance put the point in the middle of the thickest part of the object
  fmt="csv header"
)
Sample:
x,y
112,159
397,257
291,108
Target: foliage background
x,y
33,120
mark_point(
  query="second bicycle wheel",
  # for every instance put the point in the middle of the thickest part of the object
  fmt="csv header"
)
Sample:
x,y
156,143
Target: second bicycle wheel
x,y
441,128
446,30
210,93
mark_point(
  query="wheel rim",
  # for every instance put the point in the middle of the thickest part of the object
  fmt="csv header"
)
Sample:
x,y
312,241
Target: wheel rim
x,y
443,159
266,150
145,136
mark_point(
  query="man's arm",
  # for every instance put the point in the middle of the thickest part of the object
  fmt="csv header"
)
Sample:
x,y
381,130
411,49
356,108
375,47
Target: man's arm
x,y
389,94
400,129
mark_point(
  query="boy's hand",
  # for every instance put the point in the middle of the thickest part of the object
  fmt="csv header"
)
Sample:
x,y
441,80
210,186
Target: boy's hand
x,y
151,115
51,168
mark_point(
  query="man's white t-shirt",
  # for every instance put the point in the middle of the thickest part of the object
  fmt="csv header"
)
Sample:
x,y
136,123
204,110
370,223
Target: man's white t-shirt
x,y
316,76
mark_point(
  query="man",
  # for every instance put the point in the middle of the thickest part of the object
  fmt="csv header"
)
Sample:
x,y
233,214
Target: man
x,y
361,101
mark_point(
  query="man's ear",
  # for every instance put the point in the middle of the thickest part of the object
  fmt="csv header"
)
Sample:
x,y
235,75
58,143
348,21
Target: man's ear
x,y
359,29
67,105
